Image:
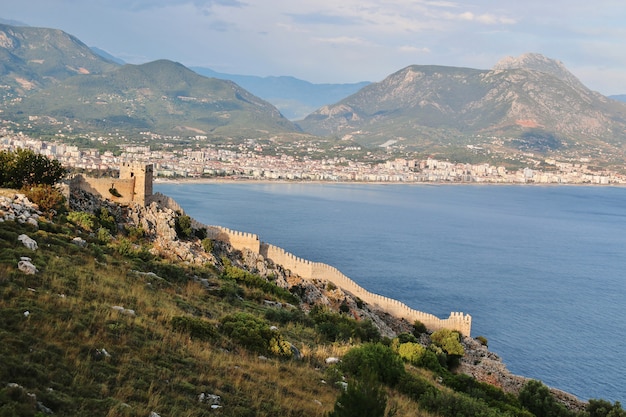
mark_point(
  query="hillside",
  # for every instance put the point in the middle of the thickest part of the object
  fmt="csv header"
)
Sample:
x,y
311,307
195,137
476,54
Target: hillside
x,y
35,58
294,98
140,316
530,103
160,96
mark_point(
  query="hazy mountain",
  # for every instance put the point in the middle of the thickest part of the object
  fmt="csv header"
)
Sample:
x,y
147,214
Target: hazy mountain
x,y
34,58
294,98
532,99
104,54
619,97
160,96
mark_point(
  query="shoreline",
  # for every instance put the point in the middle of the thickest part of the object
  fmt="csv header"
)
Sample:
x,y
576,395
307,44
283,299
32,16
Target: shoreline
x,y
189,180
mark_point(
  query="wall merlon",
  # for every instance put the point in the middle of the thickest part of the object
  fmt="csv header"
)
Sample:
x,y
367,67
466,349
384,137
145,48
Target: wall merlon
x,y
316,270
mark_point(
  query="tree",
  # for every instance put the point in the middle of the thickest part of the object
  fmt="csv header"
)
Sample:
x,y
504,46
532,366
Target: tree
x,y
24,167
536,398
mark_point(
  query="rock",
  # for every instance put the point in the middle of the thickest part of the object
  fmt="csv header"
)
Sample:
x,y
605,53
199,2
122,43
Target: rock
x,y
332,360
79,242
296,352
154,414
27,267
28,242
126,311
26,313
209,399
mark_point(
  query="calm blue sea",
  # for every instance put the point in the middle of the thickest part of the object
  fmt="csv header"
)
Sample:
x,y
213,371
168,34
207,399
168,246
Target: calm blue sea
x,y
542,270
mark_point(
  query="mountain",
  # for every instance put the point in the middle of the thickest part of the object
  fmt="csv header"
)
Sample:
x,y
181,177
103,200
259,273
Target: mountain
x,y
619,97
104,54
529,103
294,98
35,58
161,96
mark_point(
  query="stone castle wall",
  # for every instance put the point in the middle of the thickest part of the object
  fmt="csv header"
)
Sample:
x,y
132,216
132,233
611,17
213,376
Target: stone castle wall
x,y
317,270
134,184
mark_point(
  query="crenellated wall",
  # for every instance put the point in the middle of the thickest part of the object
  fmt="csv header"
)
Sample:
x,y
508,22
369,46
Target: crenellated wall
x,y
310,270
134,184
317,270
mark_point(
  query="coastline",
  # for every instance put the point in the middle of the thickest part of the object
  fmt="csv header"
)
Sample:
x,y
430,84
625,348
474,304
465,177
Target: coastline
x,y
222,180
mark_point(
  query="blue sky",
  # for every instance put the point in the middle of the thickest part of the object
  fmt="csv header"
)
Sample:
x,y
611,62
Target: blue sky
x,y
345,40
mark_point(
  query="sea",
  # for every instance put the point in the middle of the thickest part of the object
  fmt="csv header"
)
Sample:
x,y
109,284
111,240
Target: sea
x,y
541,269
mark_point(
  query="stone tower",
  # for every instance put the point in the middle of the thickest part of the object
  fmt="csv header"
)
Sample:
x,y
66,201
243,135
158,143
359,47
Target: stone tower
x,y
142,175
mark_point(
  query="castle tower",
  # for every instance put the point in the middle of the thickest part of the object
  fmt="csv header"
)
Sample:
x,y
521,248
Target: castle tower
x,y
142,175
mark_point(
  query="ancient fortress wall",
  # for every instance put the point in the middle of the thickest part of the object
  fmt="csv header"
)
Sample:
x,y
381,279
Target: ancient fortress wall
x,y
134,184
317,270
102,186
311,270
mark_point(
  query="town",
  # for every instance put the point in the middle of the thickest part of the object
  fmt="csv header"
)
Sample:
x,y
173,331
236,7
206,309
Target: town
x,y
251,160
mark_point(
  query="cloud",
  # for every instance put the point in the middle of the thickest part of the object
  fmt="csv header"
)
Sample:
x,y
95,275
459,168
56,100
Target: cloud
x,y
324,19
486,19
141,5
413,49
343,40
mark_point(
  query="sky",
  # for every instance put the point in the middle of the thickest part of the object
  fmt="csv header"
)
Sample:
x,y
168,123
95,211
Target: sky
x,y
344,41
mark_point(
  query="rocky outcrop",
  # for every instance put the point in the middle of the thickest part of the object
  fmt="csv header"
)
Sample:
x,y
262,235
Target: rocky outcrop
x,y
20,209
486,366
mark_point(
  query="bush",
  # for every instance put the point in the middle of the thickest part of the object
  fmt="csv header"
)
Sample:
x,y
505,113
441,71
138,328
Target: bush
x,y
364,397
419,328
449,341
375,358
483,340
208,245
197,328
337,327
254,334
411,352
536,398
47,197
183,226
82,219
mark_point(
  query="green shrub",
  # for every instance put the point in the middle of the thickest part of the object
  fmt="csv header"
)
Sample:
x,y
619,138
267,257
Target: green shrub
x,y
183,226
482,340
411,352
207,244
419,328
380,360
254,334
449,341
536,398
82,219
603,408
364,397
334,327
197,328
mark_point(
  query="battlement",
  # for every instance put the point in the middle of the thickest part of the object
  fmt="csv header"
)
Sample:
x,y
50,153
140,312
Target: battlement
x,y
317,270
134,184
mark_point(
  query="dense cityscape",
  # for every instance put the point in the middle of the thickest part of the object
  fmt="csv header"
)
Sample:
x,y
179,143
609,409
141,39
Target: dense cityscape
x,y
250,160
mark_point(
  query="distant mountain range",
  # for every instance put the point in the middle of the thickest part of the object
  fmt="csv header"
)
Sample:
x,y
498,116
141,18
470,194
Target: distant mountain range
x,y
532,102
526,104
295,98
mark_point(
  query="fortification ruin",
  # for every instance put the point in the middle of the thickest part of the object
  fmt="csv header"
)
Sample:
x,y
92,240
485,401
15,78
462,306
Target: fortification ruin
x,y
134,184
306,269
316,270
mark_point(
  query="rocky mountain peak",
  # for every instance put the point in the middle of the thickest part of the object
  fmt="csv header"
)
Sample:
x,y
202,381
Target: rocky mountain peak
x,y
537,62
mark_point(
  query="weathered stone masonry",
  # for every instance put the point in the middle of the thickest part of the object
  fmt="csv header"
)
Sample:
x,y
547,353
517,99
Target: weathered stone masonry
x,y
317,270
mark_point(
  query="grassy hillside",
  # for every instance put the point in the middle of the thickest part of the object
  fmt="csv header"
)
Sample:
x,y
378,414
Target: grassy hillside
x,y
107,328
